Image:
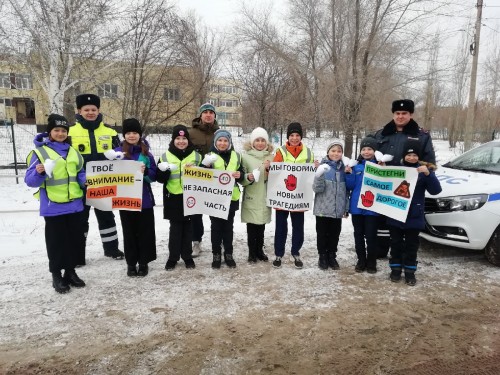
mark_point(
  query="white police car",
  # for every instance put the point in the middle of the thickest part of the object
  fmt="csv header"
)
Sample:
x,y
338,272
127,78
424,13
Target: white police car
x,y
466,213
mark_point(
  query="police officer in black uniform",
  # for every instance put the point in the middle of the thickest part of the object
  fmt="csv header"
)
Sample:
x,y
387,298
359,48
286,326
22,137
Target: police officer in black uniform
x,y
391,139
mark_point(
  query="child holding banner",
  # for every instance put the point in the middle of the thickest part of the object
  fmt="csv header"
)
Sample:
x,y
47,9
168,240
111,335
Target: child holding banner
x,y
180,154
223,157
293,151
331,204
56,169
405,236
364,221
138,227
254,211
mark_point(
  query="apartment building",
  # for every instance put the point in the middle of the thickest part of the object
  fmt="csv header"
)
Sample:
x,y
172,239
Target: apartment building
x,y
166,96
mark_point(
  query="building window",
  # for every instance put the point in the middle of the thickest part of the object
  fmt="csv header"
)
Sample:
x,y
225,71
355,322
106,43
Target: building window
x,y
172,94
213,102
214,88
228,103
108,90
228,89
5,80
23,82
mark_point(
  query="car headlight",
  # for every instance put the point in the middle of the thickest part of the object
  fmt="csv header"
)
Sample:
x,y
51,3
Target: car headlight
x,y
462,202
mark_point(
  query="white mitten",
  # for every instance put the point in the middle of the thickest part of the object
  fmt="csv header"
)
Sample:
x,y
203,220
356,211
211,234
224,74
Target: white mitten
x,y
322,169
49,166
173,167
256,174
349,162
383,158
163,166
209,159
112,155
387,157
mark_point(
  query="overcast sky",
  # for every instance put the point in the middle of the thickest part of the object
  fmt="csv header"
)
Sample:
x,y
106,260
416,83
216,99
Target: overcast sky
x,y
451,22
222,13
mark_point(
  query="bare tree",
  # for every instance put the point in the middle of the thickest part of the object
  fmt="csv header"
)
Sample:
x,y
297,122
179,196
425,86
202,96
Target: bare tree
x,y
492,84
149,64
201,50
432,88
458,92
266,86
50,37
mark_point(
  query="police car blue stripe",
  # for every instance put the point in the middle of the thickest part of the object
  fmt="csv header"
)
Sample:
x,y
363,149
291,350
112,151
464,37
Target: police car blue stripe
x,y
494,197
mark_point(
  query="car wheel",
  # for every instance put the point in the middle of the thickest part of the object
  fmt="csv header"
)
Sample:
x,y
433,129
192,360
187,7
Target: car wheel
x,y
492,250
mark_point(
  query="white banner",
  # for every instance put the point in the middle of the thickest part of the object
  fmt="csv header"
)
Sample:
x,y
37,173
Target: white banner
x,y
114,184
207,191
289,186
388,190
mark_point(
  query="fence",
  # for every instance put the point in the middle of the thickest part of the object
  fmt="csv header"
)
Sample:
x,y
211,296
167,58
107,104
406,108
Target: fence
x,y
16,141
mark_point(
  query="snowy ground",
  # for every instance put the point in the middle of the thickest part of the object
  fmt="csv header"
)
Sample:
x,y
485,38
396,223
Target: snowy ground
x,y
254,319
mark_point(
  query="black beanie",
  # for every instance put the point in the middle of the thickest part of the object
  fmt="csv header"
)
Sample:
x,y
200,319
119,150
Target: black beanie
x,y
403,105
412,146
368,142
87,99
180,130
131,125
56,121
294,127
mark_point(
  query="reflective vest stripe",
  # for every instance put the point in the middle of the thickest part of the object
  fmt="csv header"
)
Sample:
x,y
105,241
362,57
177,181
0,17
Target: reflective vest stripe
x,y
60,181
174,183
63,186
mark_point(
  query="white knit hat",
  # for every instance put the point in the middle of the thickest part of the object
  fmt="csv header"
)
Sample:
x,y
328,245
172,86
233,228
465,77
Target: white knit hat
x,y
335,142
259,133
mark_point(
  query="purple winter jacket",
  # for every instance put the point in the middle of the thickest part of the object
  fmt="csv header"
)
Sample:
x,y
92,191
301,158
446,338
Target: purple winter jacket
x,y
35,180
148,199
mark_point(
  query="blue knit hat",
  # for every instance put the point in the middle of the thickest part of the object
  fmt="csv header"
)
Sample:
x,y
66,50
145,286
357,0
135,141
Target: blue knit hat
x,y
223,133
206,107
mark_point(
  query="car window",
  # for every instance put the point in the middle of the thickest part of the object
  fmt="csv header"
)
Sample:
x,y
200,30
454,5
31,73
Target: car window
x,y
483,158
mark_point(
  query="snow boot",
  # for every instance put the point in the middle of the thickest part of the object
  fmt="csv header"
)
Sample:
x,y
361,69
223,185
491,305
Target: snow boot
x,y
216,263
323,262
72,279
59,284
332,260
142,270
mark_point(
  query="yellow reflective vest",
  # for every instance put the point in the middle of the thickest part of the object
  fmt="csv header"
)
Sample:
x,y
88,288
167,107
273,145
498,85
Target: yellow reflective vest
x,y
80,138
63,186
305,156
174,183
233,166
